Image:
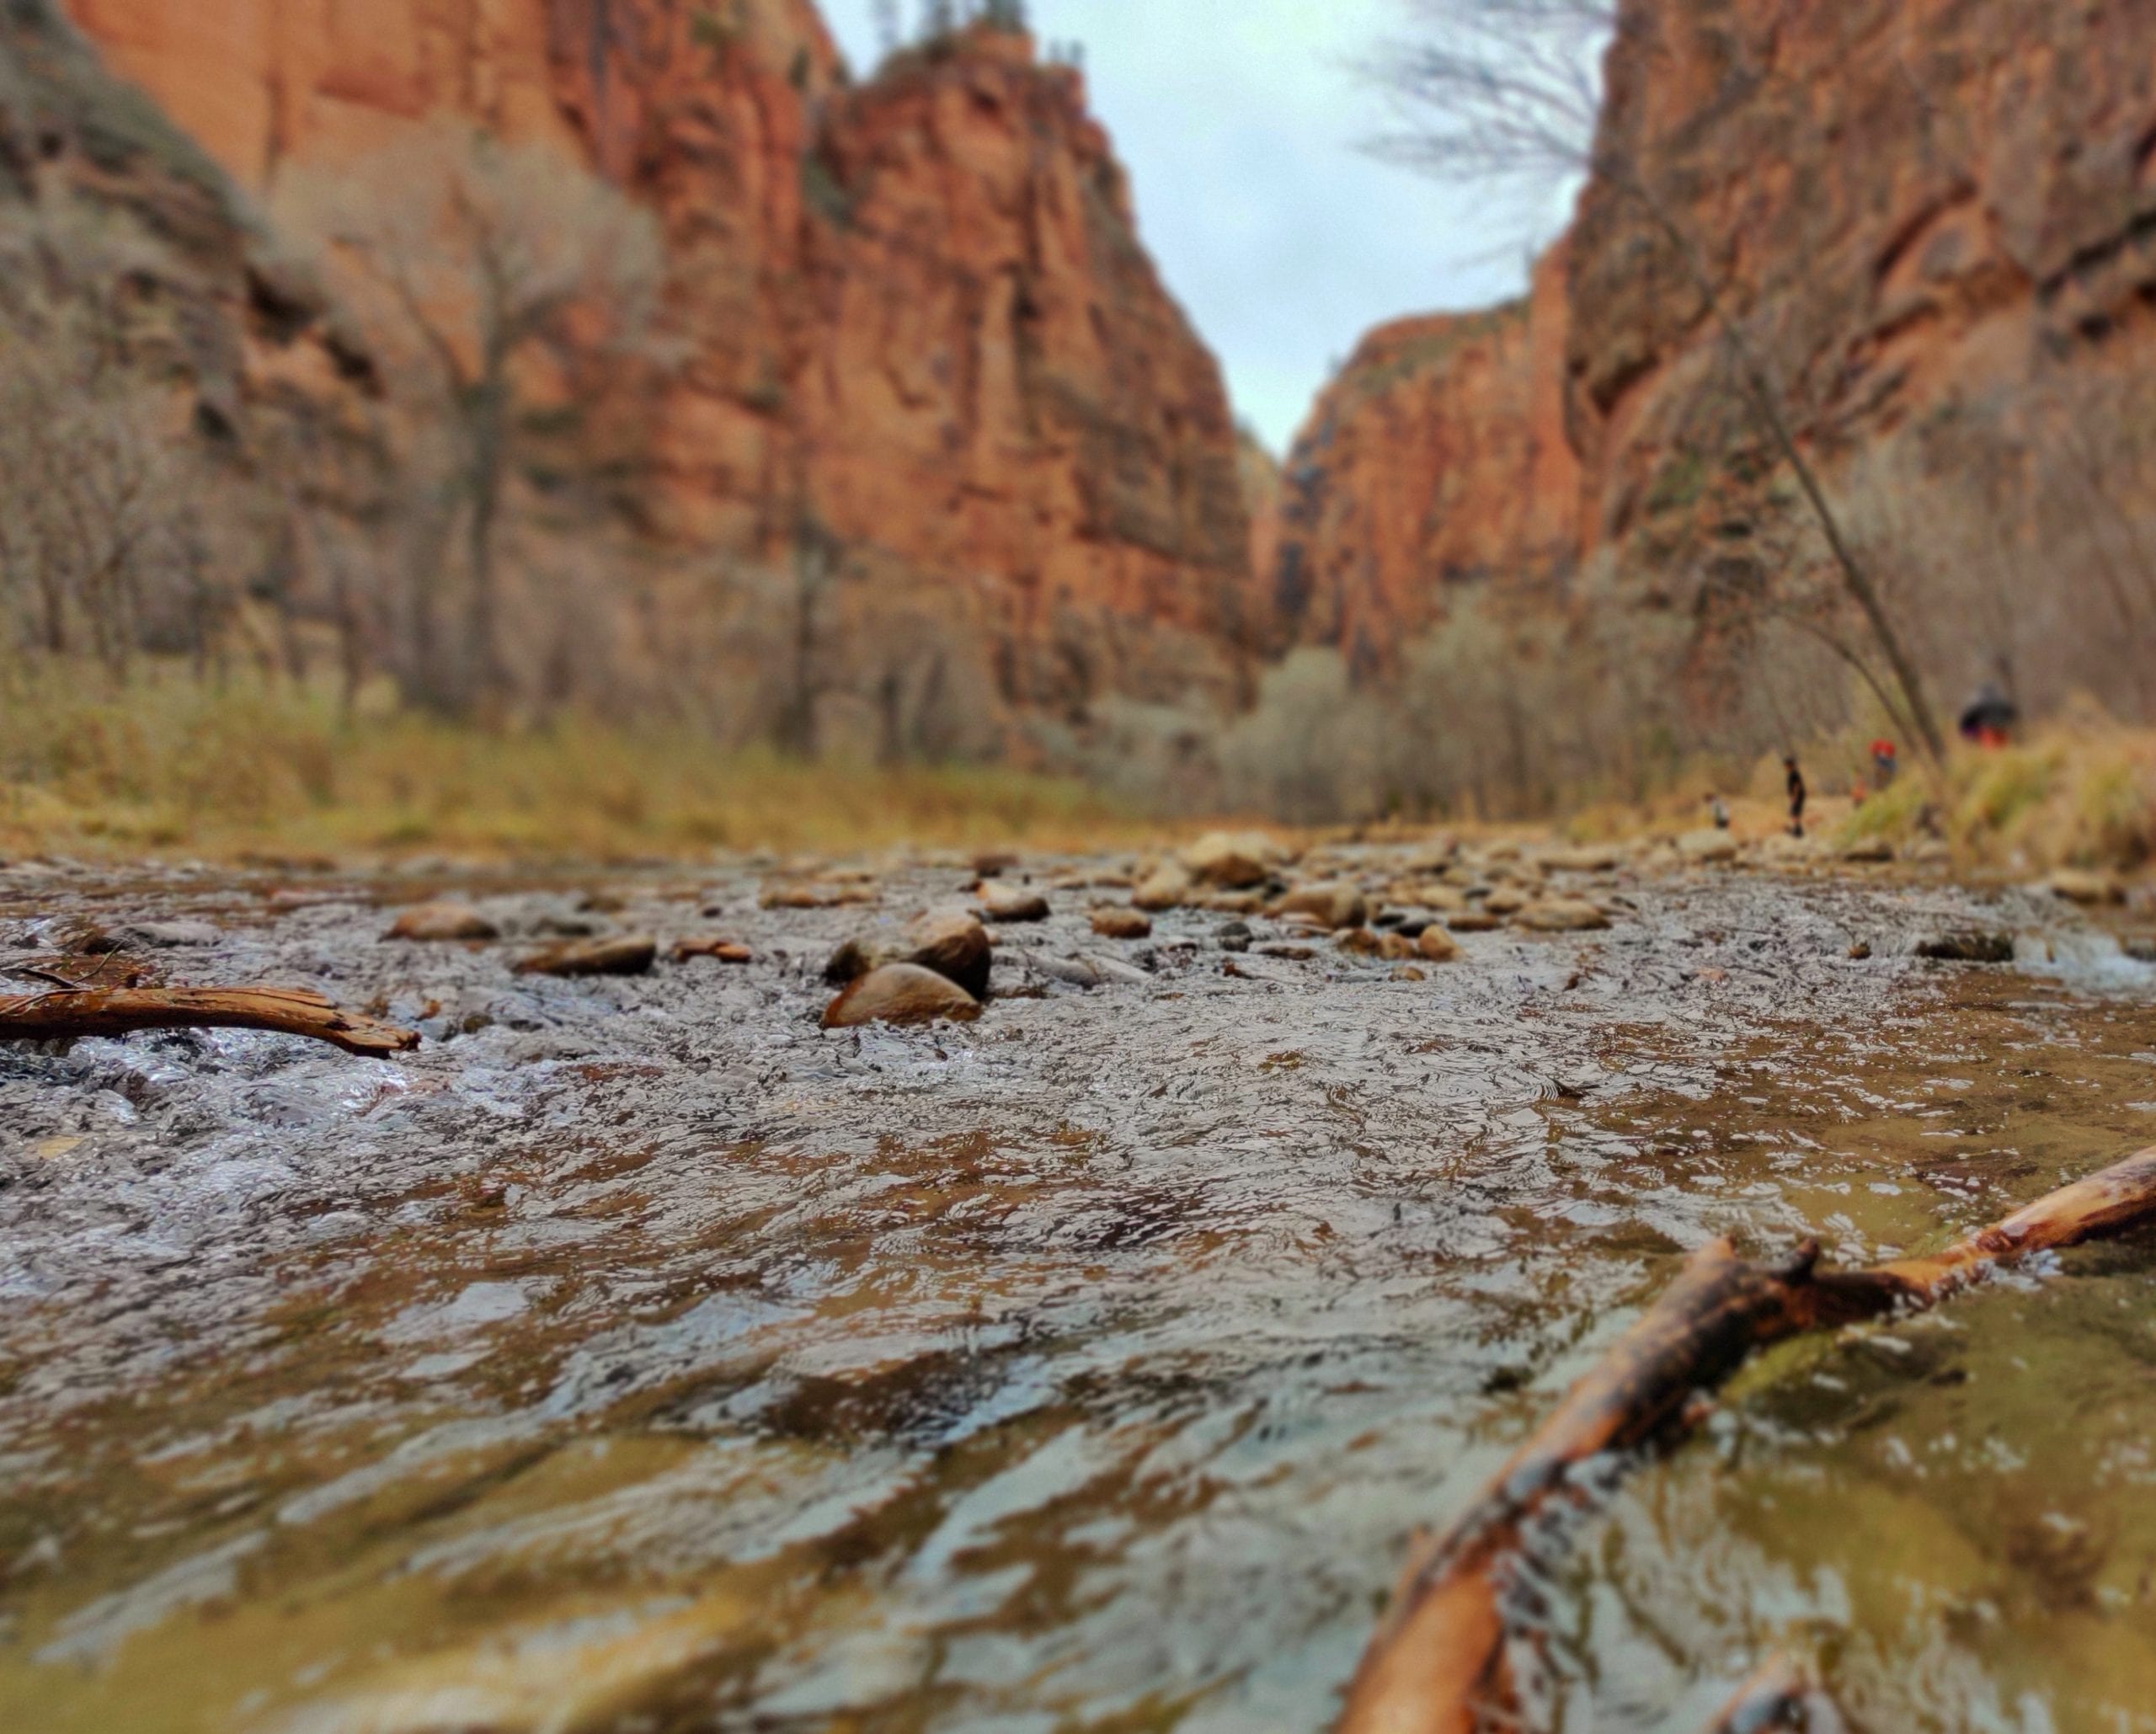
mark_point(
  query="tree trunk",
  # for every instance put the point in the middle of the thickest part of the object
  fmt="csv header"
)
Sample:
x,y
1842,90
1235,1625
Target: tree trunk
x,y
1766,401
1440,1663
812,558
490,439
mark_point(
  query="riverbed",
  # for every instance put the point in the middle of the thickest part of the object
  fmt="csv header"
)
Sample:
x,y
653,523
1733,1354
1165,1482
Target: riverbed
x,y
640,1356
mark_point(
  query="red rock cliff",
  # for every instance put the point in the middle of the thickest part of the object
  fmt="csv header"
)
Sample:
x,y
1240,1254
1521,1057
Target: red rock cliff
x,y
1908,202
920,314
1924,213
1440,457
998,384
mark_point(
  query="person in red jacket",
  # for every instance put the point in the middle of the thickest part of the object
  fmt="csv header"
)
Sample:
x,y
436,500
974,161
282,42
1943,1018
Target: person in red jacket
x,y
1885,765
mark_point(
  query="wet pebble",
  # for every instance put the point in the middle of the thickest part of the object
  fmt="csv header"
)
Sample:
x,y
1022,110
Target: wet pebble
x,y
1364,942
2090,889
1708,848
1000,902
812,897
953,945
1437,946
1586,860
722,951
1334,905
1562,914
1968,947
633,954
1122,924
444,924
902,994
1232,861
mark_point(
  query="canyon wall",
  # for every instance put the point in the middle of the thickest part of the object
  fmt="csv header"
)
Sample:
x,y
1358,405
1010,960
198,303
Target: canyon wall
x,y
1934,220
1919,210
121,235
1438,458
918,324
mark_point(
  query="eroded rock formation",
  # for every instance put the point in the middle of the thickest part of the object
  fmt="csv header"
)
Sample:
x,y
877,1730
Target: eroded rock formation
x,y
1936,220
919,325
1439,457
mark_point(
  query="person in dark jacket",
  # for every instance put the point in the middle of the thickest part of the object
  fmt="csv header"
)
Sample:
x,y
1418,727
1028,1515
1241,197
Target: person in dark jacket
x,y
1800,796
1990,719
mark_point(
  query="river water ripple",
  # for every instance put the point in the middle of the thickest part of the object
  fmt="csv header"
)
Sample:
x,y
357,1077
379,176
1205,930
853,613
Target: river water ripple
x,y
639,1357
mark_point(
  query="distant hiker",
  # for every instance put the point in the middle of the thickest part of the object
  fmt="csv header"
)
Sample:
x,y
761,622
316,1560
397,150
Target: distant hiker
x,y
1800,796
1720,808
1886,764
1989,720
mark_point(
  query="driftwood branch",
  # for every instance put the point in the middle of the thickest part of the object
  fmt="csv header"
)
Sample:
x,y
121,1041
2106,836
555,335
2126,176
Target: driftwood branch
x,y
1440,1663
120,1011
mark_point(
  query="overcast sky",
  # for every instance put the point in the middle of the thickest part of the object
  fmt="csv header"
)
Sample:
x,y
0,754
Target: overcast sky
x,y
1239,121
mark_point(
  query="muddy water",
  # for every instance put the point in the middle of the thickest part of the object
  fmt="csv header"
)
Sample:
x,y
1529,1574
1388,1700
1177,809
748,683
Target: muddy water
x,y
639,1357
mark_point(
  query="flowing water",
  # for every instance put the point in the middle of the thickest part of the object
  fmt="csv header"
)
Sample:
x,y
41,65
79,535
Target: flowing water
x,y
639,1357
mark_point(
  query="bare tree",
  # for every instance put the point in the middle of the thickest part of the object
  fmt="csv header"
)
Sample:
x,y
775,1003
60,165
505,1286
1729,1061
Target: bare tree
x,y
91,504
95,496
1508,91
816,557
488,274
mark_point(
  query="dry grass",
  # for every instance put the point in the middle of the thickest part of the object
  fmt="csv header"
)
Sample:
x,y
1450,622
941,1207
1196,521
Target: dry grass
x,y
2080,793
170,767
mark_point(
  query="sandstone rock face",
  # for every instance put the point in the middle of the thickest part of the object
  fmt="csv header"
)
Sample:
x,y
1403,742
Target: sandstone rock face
x,y
1926,213
919,320
1954,214
1437,459
1001,387
208,310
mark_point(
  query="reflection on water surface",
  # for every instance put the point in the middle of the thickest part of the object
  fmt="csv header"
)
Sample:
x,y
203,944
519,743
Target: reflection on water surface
x,y
645,1359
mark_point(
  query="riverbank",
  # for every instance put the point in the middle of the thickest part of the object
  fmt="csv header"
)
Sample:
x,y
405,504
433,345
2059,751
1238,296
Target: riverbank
x,y
172,768
2076,794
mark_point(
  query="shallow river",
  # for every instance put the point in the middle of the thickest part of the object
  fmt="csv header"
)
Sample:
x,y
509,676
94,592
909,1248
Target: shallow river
x,y
639,1357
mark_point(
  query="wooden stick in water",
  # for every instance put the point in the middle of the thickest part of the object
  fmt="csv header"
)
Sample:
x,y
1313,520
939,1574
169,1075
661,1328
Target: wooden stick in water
x,y
1439,1663
66,1015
